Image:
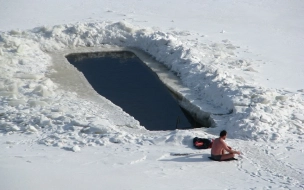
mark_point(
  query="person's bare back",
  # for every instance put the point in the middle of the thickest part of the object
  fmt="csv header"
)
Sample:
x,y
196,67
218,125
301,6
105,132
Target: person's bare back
x,y
219,147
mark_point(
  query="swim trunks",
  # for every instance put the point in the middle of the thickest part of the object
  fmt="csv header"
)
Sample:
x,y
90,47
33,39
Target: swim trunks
x,y
216,157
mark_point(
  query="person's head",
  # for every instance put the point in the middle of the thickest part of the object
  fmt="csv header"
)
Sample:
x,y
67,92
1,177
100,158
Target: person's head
x,y
223,134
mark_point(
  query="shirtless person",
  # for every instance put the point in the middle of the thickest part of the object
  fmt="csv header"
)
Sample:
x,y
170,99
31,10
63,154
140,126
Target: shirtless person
x,y
219,146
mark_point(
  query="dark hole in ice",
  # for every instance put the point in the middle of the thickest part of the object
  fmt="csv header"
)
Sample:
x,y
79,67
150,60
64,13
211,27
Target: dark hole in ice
x,y
125,80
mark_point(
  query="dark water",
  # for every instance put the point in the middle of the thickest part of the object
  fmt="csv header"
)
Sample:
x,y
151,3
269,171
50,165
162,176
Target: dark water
x,y
125,80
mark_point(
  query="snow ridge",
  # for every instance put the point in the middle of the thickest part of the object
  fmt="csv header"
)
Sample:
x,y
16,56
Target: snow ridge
x,y
214,73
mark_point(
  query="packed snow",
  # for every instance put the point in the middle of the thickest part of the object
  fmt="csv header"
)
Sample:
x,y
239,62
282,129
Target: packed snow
x,y
52,120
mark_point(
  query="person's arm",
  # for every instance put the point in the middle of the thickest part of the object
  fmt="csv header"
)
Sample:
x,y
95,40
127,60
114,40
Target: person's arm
x,y
229,149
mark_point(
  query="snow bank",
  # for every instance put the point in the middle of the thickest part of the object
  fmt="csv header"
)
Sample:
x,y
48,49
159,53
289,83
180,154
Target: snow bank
x,y
220,81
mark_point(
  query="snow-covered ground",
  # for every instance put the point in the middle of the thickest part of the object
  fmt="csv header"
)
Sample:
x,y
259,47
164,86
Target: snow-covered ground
x,y
245,56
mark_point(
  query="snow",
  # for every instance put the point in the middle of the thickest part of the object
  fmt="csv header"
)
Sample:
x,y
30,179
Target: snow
x,y
238,63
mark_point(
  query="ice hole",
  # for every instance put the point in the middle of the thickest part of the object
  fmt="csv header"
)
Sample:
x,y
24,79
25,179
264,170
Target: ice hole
x,y
129,83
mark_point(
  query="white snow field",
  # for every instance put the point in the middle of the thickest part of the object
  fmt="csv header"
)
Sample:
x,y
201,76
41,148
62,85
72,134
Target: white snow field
x,y
242,56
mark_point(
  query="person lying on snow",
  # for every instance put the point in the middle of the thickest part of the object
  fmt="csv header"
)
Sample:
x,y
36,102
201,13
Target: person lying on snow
x,y
219,147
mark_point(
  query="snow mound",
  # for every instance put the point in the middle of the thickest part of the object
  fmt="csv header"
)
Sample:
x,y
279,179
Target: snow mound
x,y
31,102
98,127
